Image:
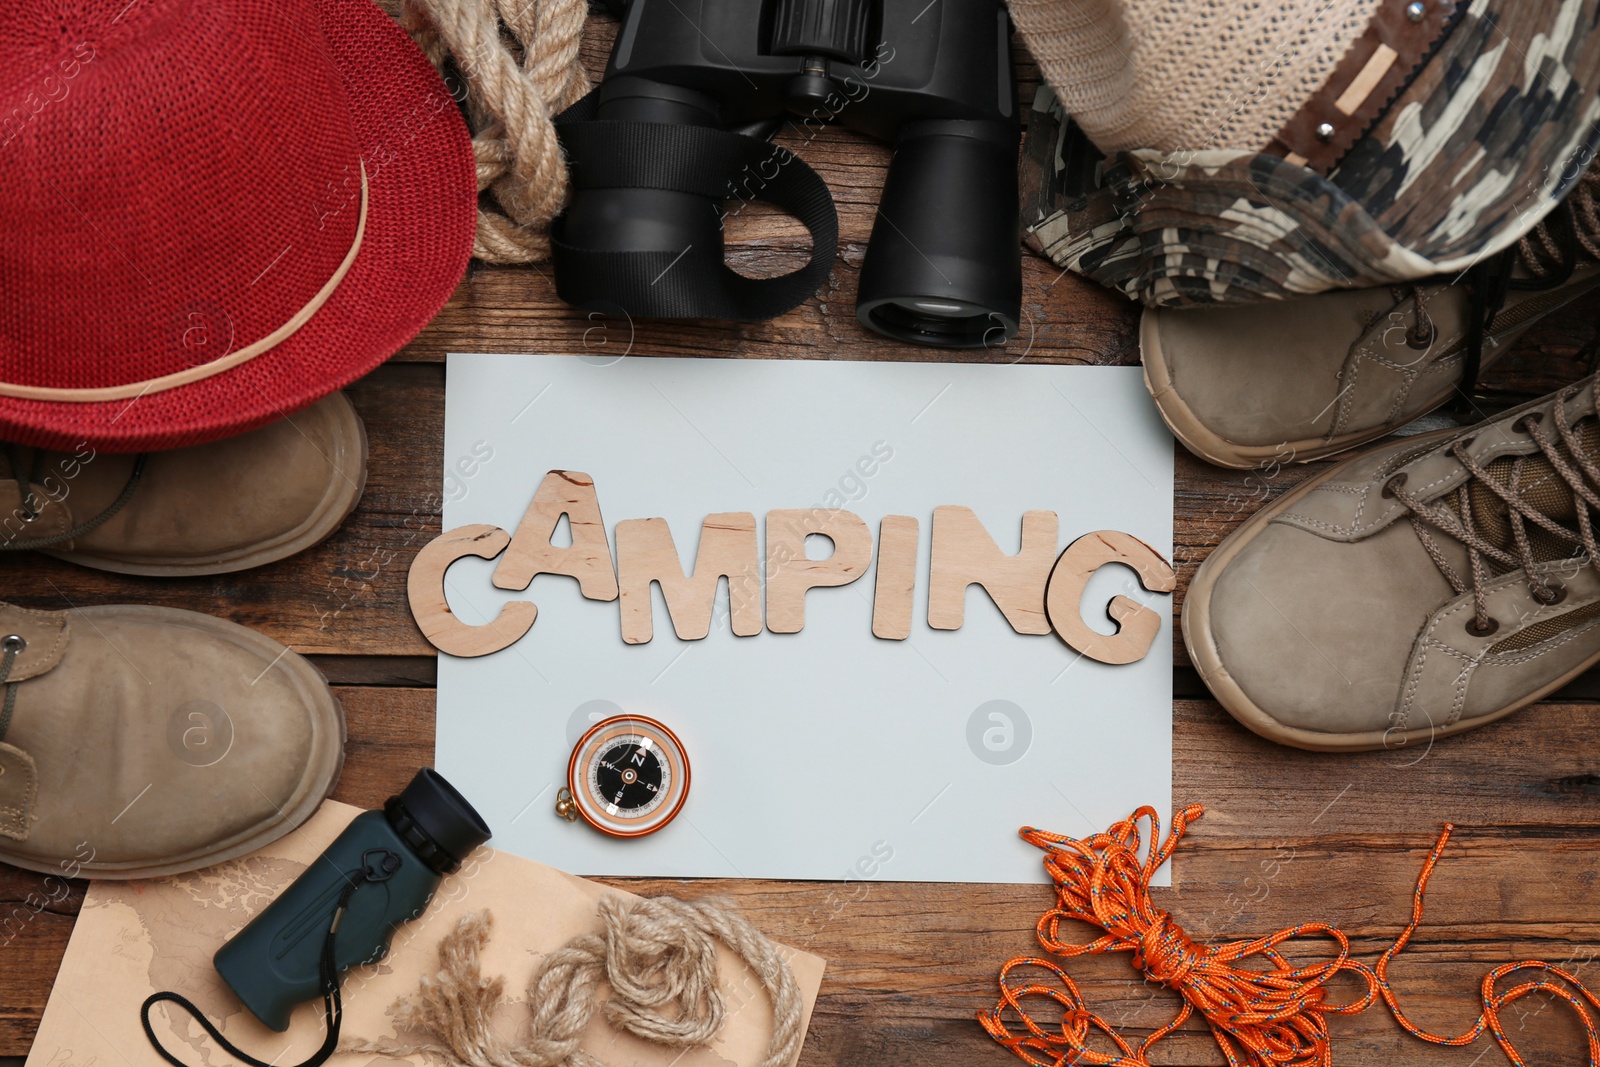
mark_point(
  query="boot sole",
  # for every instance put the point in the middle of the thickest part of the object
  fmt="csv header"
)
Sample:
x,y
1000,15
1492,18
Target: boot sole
x,y
1218,450
323,766
335,507
1201,642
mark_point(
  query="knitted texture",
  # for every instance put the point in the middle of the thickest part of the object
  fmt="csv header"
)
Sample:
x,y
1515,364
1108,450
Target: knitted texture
x,y
179,179
519,65
659,959
1192,75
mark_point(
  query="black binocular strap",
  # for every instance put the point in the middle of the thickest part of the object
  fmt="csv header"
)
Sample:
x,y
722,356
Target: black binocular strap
x,y
694,282
332,1002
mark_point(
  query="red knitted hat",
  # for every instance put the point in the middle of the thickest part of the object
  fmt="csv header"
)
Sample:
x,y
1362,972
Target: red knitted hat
x,y
214,212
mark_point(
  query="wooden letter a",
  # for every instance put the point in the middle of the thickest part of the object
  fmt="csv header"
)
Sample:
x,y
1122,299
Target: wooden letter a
x,y
588,559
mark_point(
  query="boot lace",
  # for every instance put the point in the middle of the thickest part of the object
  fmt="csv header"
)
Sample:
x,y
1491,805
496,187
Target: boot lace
x,y
24,465
1421,332
1549,253
1569,459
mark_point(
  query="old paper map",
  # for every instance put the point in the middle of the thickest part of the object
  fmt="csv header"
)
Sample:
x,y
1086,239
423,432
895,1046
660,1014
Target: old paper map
x,y
135,938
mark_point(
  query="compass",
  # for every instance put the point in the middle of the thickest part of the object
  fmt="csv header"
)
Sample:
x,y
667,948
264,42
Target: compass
x,y
628,776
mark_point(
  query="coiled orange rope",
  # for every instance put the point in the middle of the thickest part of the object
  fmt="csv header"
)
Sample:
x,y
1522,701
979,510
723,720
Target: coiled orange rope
x,y
1260,1017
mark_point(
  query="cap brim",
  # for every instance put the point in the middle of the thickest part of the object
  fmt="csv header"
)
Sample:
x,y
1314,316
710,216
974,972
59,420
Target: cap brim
x,y
1481,145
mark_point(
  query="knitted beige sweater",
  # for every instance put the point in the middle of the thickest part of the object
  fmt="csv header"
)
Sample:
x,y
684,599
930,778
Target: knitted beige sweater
x,y
1187,74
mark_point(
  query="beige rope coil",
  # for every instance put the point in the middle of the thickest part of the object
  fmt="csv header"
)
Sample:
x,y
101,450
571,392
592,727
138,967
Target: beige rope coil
x,y
656,954
519,61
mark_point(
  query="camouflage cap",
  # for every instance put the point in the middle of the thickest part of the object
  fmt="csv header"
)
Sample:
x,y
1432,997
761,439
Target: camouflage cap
x,y
1402,166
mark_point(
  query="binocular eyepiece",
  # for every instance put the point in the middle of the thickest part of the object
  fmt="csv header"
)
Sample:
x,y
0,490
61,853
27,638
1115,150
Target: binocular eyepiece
x,y
678,127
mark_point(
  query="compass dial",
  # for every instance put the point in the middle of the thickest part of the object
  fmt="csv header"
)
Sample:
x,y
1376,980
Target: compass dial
x,y
628,776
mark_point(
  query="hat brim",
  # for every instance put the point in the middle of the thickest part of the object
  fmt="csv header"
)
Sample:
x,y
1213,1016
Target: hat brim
x,y
423,203
1480,146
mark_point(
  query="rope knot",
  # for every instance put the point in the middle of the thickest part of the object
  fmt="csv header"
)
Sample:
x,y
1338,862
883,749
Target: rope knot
x,y
659,957
520,65
662,970
1166,953
1261,1016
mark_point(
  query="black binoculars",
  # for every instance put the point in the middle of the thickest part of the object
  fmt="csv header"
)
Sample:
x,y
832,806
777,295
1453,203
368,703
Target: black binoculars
x,y
676,135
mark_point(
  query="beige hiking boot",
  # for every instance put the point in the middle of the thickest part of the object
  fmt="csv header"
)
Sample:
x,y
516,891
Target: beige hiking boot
x,y
1415,591
1296,380
208,509
141,741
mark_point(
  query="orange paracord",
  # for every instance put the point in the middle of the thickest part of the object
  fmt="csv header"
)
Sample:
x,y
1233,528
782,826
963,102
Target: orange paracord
x,y
1260,1017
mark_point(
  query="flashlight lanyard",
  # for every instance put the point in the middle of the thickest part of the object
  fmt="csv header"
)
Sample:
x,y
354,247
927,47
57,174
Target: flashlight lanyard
x,y
379,868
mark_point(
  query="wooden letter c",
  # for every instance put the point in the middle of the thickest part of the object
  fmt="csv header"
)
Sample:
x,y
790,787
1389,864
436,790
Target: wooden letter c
x,y
425,590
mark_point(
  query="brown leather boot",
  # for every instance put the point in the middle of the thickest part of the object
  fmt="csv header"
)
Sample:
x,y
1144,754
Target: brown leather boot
x,y
141,741
1420,589
1276,382
209,509
1297,380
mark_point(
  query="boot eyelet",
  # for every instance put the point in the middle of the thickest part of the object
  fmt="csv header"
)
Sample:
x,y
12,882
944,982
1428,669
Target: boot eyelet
x,y
1548,593
1472,628
1522,425
13,643
1420,339
1392,484
30,516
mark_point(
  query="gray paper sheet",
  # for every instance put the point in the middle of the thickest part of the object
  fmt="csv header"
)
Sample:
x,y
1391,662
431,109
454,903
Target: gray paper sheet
x,y
830,753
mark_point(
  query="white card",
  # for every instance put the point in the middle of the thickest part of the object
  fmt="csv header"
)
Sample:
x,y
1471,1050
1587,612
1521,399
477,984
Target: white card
x,y
829,753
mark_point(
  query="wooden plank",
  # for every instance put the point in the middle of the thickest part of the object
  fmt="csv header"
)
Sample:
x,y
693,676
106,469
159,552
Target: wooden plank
x,y
346,596
408,671
1289,836
515,309
1534,771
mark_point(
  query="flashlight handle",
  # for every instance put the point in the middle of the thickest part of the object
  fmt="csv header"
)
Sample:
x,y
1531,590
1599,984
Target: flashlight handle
x,y
275,962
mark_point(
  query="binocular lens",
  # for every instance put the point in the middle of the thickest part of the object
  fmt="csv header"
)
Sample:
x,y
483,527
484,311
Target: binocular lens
x,y
943,266
943,323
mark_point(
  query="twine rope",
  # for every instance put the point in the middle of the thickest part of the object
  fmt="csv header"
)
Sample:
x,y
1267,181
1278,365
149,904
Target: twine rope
x,y
1260,1017
519,63
659,959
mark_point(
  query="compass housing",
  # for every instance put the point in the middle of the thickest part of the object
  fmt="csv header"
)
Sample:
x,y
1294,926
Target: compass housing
x,y
628,776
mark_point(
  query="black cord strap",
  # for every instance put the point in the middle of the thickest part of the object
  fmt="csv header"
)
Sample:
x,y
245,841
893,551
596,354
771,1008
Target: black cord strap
x,y
692,282
328,973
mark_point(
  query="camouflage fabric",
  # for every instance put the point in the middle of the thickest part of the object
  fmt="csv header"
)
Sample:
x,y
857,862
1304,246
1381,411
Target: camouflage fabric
x,y
1482,144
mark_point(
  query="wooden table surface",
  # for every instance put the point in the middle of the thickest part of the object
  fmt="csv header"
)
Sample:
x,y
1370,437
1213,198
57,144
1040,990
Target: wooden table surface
x,y
1288,836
